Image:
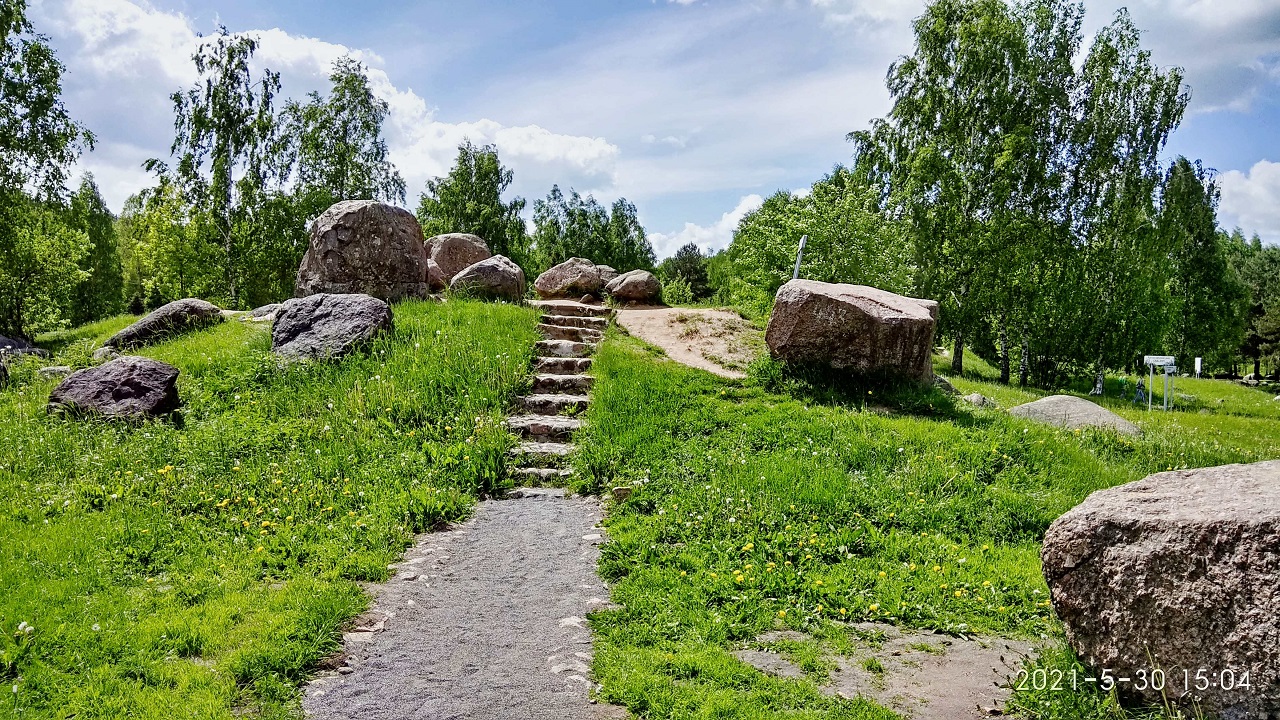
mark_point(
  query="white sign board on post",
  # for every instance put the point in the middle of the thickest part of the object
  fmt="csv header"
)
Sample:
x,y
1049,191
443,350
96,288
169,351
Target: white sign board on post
x,y
1198,366
1167,363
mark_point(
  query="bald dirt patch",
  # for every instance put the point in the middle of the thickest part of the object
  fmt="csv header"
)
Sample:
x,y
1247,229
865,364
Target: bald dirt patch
x,y
717,341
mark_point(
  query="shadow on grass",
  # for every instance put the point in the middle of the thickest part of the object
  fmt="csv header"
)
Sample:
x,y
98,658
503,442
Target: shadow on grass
x,y
842,388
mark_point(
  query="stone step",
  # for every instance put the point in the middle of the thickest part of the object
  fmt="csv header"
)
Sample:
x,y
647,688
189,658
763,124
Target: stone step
x,y
542,454
563,348
568,384
543,426
541,477
573,334
562,366
570,307
554,404
595,323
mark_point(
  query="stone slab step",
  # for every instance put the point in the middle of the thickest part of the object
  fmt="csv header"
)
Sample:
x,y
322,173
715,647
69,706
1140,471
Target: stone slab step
x,y
538,477
542,454
567,384
554,404
562,366
570,307
543,426
573,334
563,348
595,323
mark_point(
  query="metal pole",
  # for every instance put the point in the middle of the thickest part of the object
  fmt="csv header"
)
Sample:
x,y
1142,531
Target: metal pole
x,y
1151,385
799,254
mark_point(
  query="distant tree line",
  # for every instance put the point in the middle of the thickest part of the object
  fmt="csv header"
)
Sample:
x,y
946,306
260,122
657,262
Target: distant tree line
x,y
1019,183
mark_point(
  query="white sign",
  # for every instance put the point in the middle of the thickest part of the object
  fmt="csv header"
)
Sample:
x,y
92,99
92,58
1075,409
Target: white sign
x,y
1158,360
1197,367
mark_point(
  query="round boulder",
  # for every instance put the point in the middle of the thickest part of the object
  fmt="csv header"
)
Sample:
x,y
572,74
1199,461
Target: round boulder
x,y
606,273
979,400
127,387
1177,572
570,279
1073,413
365,247
496,278
639,286
455,252
175,318
328,326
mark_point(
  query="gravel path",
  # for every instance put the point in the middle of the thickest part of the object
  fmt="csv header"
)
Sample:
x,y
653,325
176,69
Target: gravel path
x,y
484,621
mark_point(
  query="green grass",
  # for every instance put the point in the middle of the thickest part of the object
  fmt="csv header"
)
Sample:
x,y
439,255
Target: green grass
x,y
198,569
787,503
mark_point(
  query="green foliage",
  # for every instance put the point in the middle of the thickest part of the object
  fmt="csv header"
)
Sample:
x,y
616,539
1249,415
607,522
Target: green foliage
x,y
337,143
39,266
208,566
469,200
676,291
689,266
582,227
164,257
753,510
102,292
850,241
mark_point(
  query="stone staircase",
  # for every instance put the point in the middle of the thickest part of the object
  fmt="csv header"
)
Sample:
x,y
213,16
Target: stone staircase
x,y
571,331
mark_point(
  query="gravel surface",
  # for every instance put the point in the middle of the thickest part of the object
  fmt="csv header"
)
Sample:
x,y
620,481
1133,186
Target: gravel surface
x,y
484,621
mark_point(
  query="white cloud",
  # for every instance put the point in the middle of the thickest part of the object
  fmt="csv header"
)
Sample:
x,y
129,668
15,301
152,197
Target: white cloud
x,y
1251,200
124,58
710,237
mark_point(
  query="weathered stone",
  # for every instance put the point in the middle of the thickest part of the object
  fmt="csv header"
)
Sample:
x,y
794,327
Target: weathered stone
x,y
852,327
495,278
328,326
175,318
366,247
105,353
1073,413
455,252
265,311
435,278
571,278
607,273
17,346
1177,571
127,387
635,286
944,385
979,400
53,371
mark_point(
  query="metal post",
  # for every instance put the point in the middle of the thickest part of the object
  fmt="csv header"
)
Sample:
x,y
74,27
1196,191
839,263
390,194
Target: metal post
x,y
1151,385
799,254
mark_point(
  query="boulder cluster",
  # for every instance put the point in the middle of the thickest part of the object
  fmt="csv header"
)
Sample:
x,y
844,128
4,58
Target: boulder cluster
x,y
580,278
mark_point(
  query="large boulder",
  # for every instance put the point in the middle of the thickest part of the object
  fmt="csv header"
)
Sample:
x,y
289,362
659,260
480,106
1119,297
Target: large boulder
x,y
455,252
570,279
496,278
1073,413
328,326
127,387
17,346
175,318
435,277
1179,571
635,286
367,247
852,327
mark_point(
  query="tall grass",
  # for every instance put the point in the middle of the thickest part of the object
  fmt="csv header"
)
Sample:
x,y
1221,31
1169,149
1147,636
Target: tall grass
x,y
197,569
785,503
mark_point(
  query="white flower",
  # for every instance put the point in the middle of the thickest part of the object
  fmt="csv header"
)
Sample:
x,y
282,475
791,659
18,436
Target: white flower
x,y
96,627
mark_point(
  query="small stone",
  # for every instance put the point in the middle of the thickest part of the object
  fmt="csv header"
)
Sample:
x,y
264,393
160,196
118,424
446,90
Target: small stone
x,y
621,493
346,670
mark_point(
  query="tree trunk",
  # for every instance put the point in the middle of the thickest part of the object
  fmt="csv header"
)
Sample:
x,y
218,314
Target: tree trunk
x,y
1024,363
957,357
1004,350
1257,368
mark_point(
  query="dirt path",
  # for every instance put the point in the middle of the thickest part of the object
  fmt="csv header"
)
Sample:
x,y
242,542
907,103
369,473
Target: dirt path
x,y
484,622
713,340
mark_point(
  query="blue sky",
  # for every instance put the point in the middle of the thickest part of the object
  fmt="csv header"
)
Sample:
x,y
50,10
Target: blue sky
x,y
693,109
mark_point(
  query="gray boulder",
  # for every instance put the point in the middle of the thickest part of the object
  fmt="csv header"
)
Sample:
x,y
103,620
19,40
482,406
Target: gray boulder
x,y
53,371
496,278
435,278
455,252
175,318
944,385
979,400
105,353
368,247
607,274
1073,413
1177,571
570,279
265,312
17,346
327,326
127,387
852,327
635,286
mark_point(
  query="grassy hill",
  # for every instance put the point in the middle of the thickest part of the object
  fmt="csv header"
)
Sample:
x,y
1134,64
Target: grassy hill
x,y
198,569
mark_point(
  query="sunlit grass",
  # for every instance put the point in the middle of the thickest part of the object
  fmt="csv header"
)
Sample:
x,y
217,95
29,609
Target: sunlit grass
x,y
199,568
